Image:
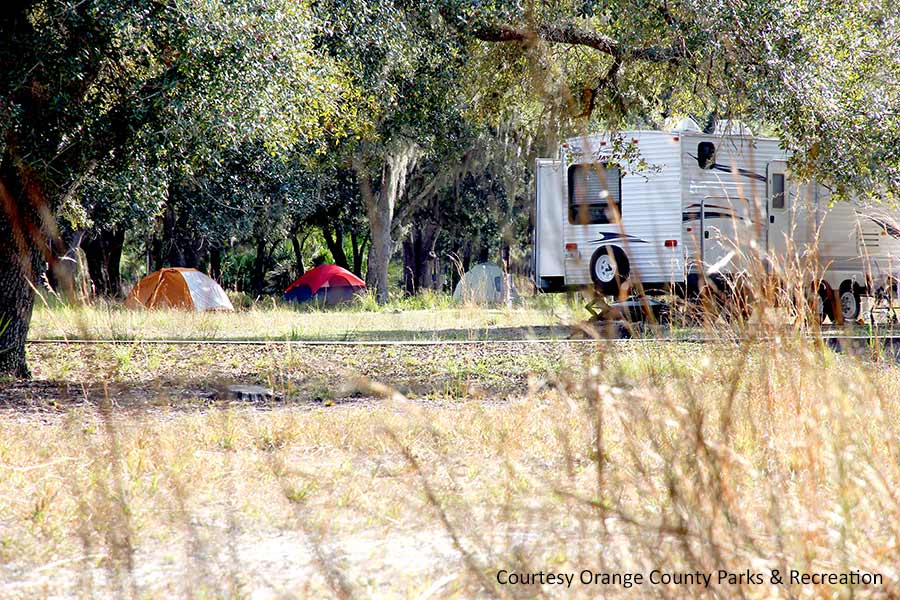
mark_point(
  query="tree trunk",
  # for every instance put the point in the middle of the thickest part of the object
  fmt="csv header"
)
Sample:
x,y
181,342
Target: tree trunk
x,y
176,243
23,253
190,253
169,255
379,252
103,252
215,263
114,263
259,266
419,258
354,248
504,265
427,258
380,210
65,268
298,255
359,250
409,264
336,245
16,300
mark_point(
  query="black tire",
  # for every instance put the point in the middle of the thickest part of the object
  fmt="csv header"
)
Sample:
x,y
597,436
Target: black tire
x,y
891,294
892,291
849,301
609,269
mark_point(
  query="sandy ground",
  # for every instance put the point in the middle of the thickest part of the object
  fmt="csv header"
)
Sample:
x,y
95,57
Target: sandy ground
x,y
154,384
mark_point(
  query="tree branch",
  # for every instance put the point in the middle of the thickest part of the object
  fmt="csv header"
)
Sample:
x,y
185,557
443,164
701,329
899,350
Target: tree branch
x,y
570,33
608,81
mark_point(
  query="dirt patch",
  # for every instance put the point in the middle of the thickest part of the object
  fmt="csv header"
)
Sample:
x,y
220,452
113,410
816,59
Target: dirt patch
x,y
193,377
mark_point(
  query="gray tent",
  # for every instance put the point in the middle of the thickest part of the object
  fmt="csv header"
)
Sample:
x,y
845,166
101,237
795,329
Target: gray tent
x,y
484,284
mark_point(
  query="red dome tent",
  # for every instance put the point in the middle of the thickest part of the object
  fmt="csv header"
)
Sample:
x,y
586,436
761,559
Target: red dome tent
x,y
326,283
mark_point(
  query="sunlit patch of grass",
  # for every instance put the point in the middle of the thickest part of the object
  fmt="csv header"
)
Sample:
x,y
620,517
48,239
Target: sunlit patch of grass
x,y
429,316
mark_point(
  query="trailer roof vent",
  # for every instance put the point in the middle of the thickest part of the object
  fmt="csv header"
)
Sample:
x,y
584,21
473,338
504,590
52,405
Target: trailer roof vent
x,y
681,124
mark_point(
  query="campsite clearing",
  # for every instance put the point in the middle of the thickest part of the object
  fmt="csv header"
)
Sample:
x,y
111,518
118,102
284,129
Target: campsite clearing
x,y
392,471
439,319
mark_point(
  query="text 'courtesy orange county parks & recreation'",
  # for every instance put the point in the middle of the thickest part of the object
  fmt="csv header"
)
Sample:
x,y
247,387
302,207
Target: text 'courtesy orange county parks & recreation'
x,y
657,577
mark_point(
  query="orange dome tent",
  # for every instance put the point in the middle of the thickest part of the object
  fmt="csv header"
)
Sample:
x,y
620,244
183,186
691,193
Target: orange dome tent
x,y
178,288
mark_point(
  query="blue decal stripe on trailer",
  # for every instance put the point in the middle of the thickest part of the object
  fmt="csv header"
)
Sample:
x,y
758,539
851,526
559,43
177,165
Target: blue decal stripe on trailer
x,y
615,236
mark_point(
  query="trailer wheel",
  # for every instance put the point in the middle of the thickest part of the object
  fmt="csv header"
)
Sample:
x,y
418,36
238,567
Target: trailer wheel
x,y
893,290
890,293
609,269
850,301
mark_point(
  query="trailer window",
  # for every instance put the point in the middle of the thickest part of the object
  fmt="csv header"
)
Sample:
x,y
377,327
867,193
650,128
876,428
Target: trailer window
x,y
706,155
594,189
778,190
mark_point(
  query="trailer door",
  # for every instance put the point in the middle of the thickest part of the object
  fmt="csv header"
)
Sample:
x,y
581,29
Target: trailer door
x,y
779,211
549,260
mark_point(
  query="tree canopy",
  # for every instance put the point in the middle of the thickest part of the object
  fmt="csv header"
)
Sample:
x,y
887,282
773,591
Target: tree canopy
x,y
257,131
821,76
92,88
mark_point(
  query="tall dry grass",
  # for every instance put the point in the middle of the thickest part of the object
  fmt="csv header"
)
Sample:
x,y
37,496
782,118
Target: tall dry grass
x,y
635,456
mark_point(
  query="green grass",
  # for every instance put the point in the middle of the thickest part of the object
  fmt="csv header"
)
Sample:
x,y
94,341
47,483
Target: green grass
x,y
431,316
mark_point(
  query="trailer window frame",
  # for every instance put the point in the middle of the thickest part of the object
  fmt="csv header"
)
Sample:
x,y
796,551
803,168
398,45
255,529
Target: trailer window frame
x,y
594,211
779,196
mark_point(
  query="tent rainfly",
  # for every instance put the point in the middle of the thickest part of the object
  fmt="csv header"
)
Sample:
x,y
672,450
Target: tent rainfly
x,y
330,284
178,288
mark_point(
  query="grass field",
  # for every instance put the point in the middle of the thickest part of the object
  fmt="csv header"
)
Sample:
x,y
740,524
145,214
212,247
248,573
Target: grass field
x,y
421,471
428,317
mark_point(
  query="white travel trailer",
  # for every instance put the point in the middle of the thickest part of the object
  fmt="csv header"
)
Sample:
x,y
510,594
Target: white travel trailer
x,y
674,209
